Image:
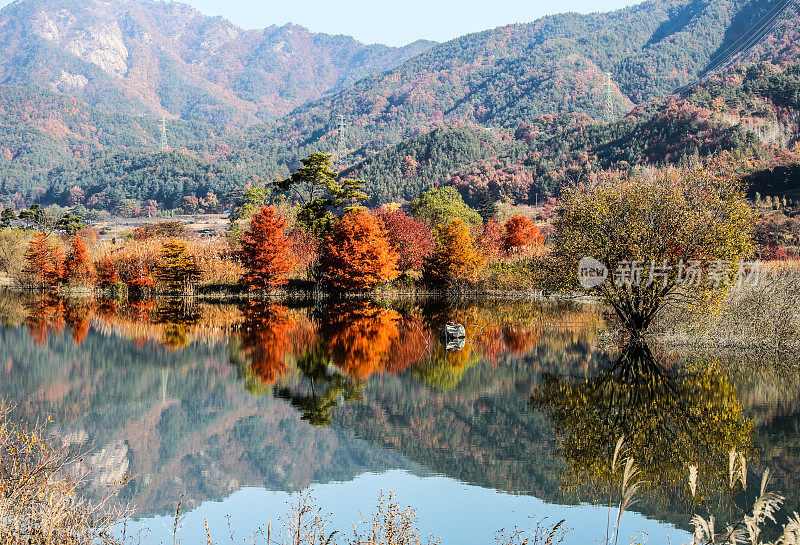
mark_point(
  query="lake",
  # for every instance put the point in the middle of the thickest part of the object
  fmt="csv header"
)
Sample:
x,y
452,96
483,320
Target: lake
x,y
236,409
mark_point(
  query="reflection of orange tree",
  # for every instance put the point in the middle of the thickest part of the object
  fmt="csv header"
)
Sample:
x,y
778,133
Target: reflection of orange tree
x,y
45,317
359,336
669,420
410,345
78,315
265,339
519,338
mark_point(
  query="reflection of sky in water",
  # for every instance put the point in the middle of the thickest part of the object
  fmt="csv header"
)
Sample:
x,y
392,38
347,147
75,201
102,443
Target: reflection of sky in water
x,y
455,512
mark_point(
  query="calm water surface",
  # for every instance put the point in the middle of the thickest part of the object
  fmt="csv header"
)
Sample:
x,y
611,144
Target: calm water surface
x,y
240,407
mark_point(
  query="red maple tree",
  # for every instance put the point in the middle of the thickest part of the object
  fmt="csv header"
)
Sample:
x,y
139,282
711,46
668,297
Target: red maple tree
x,y
265,250
521,232
412,240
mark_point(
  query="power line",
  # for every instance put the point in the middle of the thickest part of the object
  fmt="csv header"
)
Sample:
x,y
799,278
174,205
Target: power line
x,y
747,40
720,58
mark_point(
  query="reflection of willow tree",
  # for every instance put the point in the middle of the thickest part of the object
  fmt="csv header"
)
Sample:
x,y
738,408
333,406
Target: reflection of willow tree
x,y
176,316
669,421
320,388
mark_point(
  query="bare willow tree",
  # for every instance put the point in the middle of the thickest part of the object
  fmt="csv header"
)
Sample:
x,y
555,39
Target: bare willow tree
x,y
647,241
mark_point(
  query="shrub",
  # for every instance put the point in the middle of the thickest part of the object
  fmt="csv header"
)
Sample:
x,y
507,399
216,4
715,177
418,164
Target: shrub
x,y
39,483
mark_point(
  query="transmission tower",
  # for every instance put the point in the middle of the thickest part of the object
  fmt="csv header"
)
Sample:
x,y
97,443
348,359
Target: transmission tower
x,y
340,148
164,146
608,106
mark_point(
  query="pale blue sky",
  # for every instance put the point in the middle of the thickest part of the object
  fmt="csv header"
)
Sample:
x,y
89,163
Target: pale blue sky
x,y
396,22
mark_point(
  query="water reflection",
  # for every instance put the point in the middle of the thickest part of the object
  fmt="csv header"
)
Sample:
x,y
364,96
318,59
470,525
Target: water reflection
x,y
671,415
209,398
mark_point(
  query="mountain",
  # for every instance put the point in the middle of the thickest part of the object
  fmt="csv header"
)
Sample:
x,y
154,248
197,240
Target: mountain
x,y
161,58
558,64
751,109
519,109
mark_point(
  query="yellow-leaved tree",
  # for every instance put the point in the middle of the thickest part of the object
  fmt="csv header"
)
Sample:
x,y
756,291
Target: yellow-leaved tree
x,y
454,260
662,238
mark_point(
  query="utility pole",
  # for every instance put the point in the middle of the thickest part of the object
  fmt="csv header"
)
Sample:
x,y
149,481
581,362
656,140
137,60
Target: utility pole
x,y
608,108
164,146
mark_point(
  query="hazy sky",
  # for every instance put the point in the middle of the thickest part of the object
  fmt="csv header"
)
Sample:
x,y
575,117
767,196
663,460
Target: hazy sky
x,y
395,22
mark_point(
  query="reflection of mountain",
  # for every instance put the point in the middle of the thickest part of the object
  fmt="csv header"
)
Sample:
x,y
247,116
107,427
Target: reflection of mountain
x,y
208,398
183,418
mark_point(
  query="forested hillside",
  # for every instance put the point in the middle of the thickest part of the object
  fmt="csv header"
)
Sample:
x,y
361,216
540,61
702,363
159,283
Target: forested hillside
x,y
167,58
556,65
518,109
753,109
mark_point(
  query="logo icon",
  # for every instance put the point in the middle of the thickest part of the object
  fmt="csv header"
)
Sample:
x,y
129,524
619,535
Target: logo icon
x,y
591,273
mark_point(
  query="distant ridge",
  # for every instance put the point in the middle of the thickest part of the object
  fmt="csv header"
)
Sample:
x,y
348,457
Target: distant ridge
x,y
162,58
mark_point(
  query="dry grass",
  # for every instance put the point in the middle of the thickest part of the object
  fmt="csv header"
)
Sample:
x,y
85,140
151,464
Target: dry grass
x,y
764,316
40,491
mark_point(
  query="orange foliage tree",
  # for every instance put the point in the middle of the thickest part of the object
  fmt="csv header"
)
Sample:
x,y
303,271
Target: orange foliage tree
x,y
265,250
77,267
357,255
43,261
521,232
455,258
